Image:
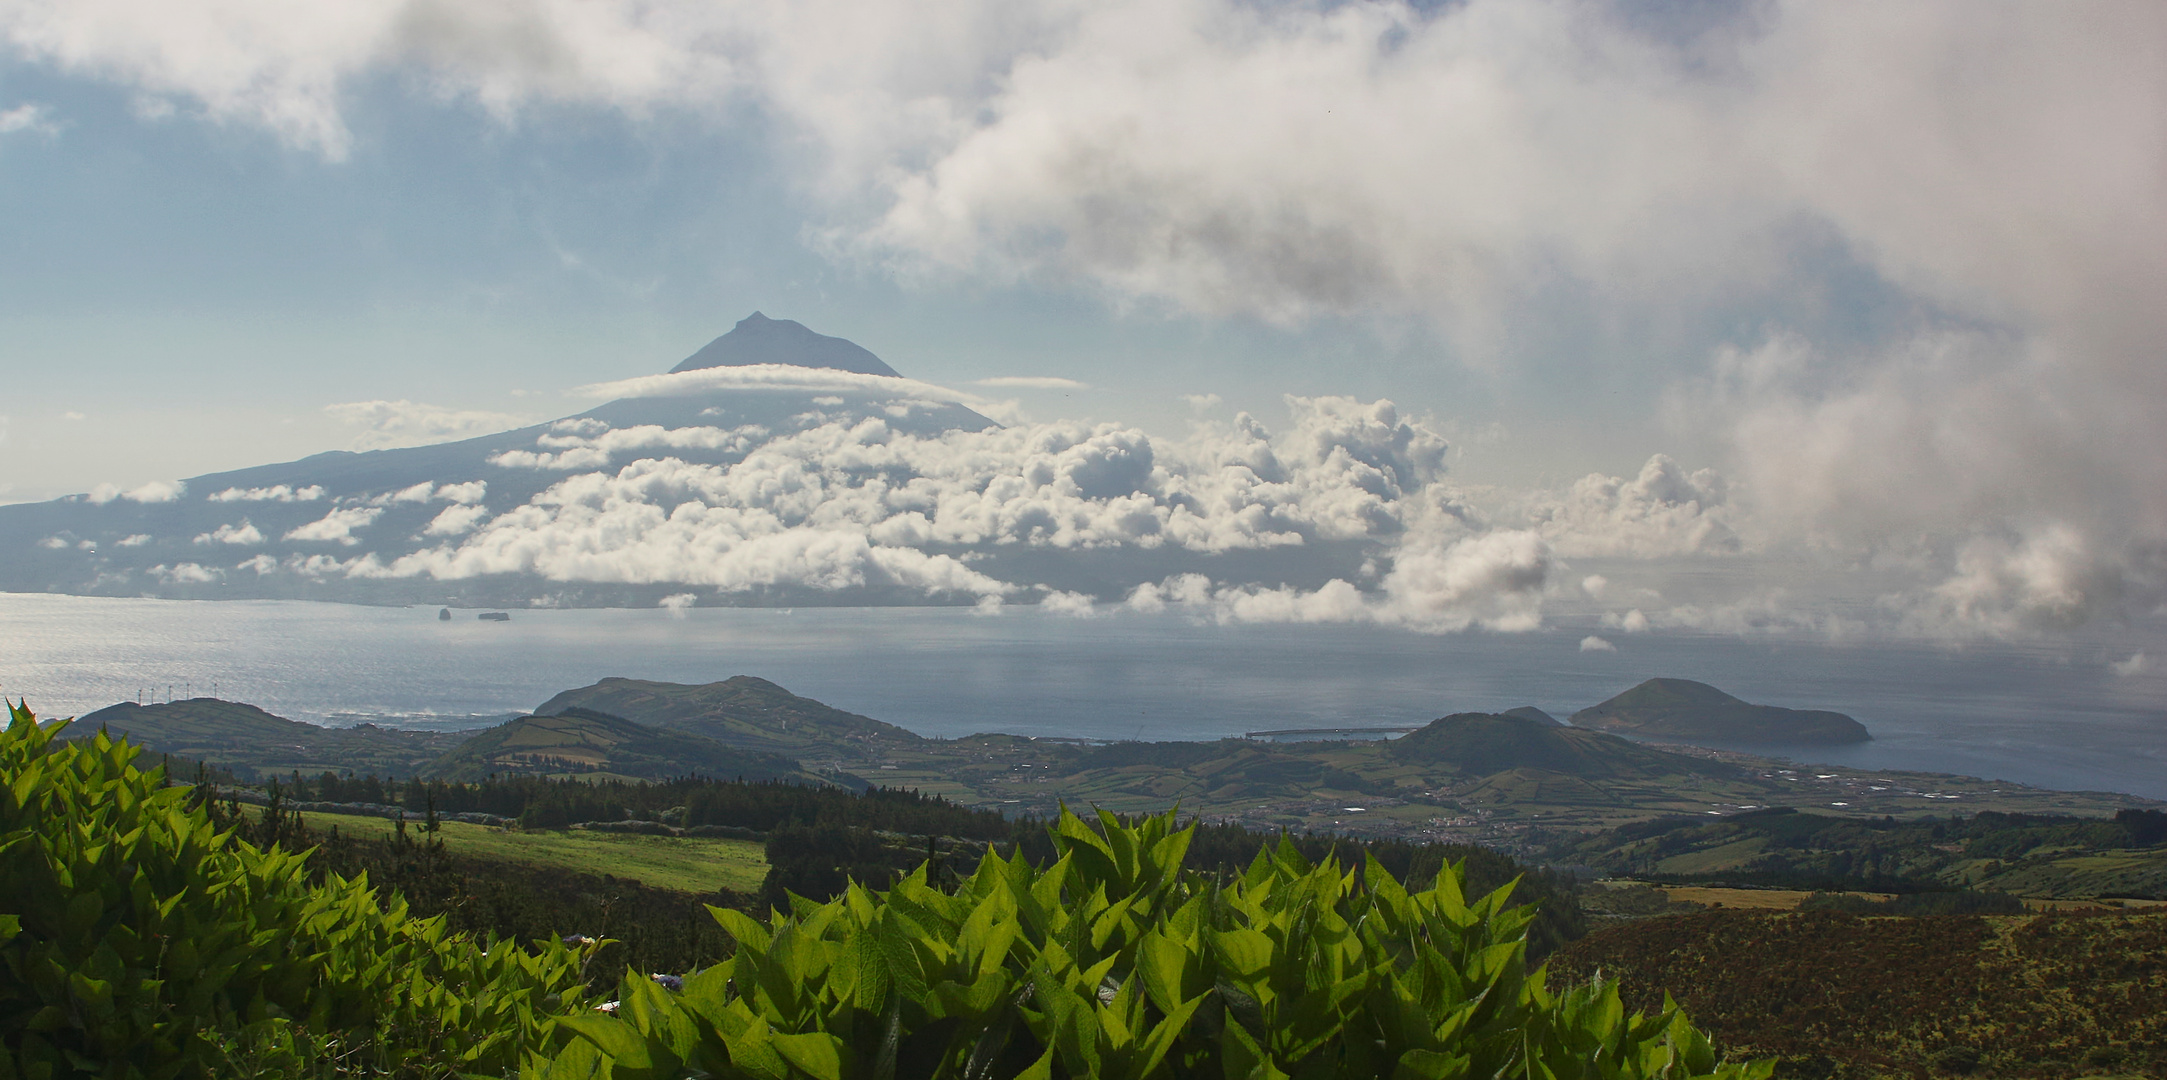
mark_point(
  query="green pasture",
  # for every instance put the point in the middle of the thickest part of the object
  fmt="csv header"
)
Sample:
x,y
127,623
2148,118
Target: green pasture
x,y
684,864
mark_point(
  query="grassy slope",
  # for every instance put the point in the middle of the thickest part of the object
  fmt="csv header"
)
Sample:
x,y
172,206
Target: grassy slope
x,y
597,743
2030,857
742,711
2140,872
1478,744
692,865
1693,712
234,734
2015,996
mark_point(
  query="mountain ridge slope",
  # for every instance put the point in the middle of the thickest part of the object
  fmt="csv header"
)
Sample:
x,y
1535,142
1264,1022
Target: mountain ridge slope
x,y
584,740
743,710
757,339
1689,711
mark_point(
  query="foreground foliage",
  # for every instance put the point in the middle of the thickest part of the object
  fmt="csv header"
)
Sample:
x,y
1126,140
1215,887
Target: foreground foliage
x,y
641,927
141,937
137,939
1113,962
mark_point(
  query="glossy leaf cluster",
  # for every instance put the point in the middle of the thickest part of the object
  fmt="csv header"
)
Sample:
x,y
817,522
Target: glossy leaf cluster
x,y
1113,962
139,940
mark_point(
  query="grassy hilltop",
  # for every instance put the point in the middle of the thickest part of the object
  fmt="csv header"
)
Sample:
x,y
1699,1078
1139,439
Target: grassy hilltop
x,y
1686,711
235,734
741,711
578,741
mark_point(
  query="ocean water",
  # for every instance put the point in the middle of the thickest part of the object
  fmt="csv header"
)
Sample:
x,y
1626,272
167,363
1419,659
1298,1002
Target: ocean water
x,y
2054,714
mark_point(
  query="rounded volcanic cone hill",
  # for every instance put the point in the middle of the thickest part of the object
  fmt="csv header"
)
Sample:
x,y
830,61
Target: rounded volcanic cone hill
x,y
741,711
178,726
1530,712
757,339
583,741
1479,744
250,741
1483,744
1694,712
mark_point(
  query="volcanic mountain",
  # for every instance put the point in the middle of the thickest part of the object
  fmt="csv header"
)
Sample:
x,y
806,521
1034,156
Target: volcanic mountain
x,y
335,525
1480,744
253,742
586,743
758,339
745,712
1681,710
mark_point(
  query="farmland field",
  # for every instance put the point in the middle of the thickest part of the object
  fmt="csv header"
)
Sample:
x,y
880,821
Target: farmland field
x,y
689,865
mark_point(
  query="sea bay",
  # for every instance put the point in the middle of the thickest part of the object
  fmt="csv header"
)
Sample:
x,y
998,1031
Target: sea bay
x,y
2049,714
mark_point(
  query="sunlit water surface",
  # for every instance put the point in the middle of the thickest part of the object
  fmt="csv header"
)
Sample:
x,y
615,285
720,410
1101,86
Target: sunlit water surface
x,y
2052,714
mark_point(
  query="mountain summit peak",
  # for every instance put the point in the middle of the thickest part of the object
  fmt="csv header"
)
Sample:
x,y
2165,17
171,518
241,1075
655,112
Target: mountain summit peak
x,y
757,339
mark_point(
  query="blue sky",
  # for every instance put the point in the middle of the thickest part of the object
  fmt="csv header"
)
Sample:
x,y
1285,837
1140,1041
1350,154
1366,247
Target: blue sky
x,y
170,264
1888,271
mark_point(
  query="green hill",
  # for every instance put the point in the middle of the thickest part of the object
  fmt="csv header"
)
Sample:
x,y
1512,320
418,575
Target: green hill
x,y
584,742
249,740
1486,761
1482,744
1197,772
741,711
1693,712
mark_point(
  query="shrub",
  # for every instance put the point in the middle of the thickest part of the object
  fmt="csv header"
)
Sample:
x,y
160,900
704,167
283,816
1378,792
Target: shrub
x,y
1113,962
1915,905
137,939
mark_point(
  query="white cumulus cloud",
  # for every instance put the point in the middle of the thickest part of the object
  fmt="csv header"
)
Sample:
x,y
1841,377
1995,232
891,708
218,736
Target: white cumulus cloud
x,y
1493,581
780,377
36,119
385,424
2050,579
1031,382
243,533
337,526
1662,511
274,493
858,504
456,520
1076,605
157,491
593,444
467,494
